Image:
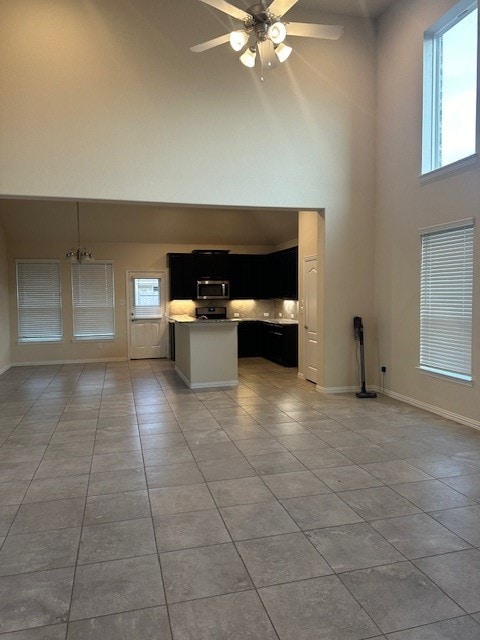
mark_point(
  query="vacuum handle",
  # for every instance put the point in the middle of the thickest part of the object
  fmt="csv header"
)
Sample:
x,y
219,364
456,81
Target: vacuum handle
x,y
358,328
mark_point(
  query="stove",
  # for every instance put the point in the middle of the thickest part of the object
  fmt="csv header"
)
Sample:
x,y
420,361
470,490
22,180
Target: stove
x,y
211,313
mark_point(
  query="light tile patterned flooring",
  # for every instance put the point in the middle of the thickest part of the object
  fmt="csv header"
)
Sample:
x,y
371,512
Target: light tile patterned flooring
x,y
132,508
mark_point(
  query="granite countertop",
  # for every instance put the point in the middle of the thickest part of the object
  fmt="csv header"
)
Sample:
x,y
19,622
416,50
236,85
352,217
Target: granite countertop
x,y
187,318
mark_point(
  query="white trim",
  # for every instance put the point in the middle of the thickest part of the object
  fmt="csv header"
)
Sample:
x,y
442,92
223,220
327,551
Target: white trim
x,y
452,169
448,377
335,389
205,385
449,415
448,226
82,361
5,368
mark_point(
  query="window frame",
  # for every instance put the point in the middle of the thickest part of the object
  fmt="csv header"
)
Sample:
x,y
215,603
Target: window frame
x,y
439,371
47,339
430,168
98,337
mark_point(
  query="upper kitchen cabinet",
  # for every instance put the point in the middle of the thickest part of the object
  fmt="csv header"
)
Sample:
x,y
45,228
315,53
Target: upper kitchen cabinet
x,y
251,276
282,275
212,265
247,276
183,283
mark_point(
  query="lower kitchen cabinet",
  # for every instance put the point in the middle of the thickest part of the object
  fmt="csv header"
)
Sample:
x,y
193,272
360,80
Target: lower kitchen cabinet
x,y
248,338
276,342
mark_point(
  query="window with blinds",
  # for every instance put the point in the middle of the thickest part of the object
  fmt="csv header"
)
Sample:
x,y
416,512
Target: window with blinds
x,y
93,301
39,301
147,301
446,301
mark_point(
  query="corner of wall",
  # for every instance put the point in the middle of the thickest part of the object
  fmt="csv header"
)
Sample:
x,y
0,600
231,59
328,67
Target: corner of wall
x,y
5,352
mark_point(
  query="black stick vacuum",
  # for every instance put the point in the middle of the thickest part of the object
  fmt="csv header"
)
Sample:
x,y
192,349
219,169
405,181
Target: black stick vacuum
x,y
358,329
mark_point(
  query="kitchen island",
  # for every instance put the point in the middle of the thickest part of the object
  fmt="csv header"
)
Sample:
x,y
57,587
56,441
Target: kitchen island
x,y
206,352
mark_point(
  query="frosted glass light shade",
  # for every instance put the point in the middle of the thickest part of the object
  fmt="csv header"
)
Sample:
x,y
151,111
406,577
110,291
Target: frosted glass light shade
x,y
238,39
283,51
277,32
248,57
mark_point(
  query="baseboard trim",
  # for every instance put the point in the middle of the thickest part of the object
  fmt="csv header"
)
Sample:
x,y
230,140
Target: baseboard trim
x,y
82,361
6,368
335,389
444,413
205,385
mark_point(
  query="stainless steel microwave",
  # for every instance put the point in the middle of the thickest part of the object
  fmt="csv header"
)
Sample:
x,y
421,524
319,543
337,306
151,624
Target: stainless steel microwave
x,y
213,289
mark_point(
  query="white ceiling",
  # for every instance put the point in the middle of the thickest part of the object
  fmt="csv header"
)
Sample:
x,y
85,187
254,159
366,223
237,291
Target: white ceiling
x,y
365,8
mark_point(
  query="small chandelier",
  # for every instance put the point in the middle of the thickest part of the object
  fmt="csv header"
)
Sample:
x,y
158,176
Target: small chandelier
x,y
78,255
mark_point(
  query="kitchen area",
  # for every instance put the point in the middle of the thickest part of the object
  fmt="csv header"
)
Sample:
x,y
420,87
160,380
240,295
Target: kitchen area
x,y
226,306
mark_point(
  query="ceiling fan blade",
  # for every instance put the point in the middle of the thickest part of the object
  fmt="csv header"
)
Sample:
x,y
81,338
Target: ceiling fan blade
x,y
204,46
279,7
226,7
266,52
326,31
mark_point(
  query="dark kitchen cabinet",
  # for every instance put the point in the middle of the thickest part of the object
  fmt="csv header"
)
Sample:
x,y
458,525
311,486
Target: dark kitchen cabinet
x,y
247,276
282,274
279,343
248,338
212,266
251,276
276,342
183,283
171,340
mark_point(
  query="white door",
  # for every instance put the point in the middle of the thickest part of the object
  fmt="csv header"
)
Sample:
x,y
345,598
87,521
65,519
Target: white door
x,y
310,275
146,319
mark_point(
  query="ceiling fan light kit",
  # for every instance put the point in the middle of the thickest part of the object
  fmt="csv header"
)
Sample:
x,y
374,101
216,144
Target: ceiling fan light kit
x,y
238,40
265,32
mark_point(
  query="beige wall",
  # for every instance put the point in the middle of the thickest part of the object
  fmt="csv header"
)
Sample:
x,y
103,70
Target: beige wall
x,y
404,206
126,257
105,101
4,305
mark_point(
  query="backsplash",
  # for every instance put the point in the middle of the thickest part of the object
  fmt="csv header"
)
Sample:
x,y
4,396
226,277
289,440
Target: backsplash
x,y
246,308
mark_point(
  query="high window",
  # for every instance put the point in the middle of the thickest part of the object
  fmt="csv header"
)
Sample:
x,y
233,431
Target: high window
x,y
39,301
446,292
93,301
450,87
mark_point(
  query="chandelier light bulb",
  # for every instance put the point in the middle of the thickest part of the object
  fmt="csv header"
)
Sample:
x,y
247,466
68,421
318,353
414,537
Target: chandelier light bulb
x,y
238,40
283,51
248,57
277,32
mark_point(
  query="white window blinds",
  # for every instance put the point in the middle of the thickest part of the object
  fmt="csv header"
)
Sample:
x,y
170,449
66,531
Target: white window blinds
x,y
146,298
446,294
93,301
39,301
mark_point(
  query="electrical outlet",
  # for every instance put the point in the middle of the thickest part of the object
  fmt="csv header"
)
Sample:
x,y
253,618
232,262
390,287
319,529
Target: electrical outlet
x,y
292,316
266,315
236,315
383,369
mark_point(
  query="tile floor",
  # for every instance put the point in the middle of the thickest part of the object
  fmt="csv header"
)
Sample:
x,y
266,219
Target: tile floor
x,y
132,508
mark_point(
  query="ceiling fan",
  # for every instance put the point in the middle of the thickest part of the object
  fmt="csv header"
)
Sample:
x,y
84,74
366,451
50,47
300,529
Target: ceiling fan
x,y
264,32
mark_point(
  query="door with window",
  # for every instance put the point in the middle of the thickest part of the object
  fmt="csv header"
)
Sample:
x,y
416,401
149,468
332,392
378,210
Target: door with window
x,y
146,315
